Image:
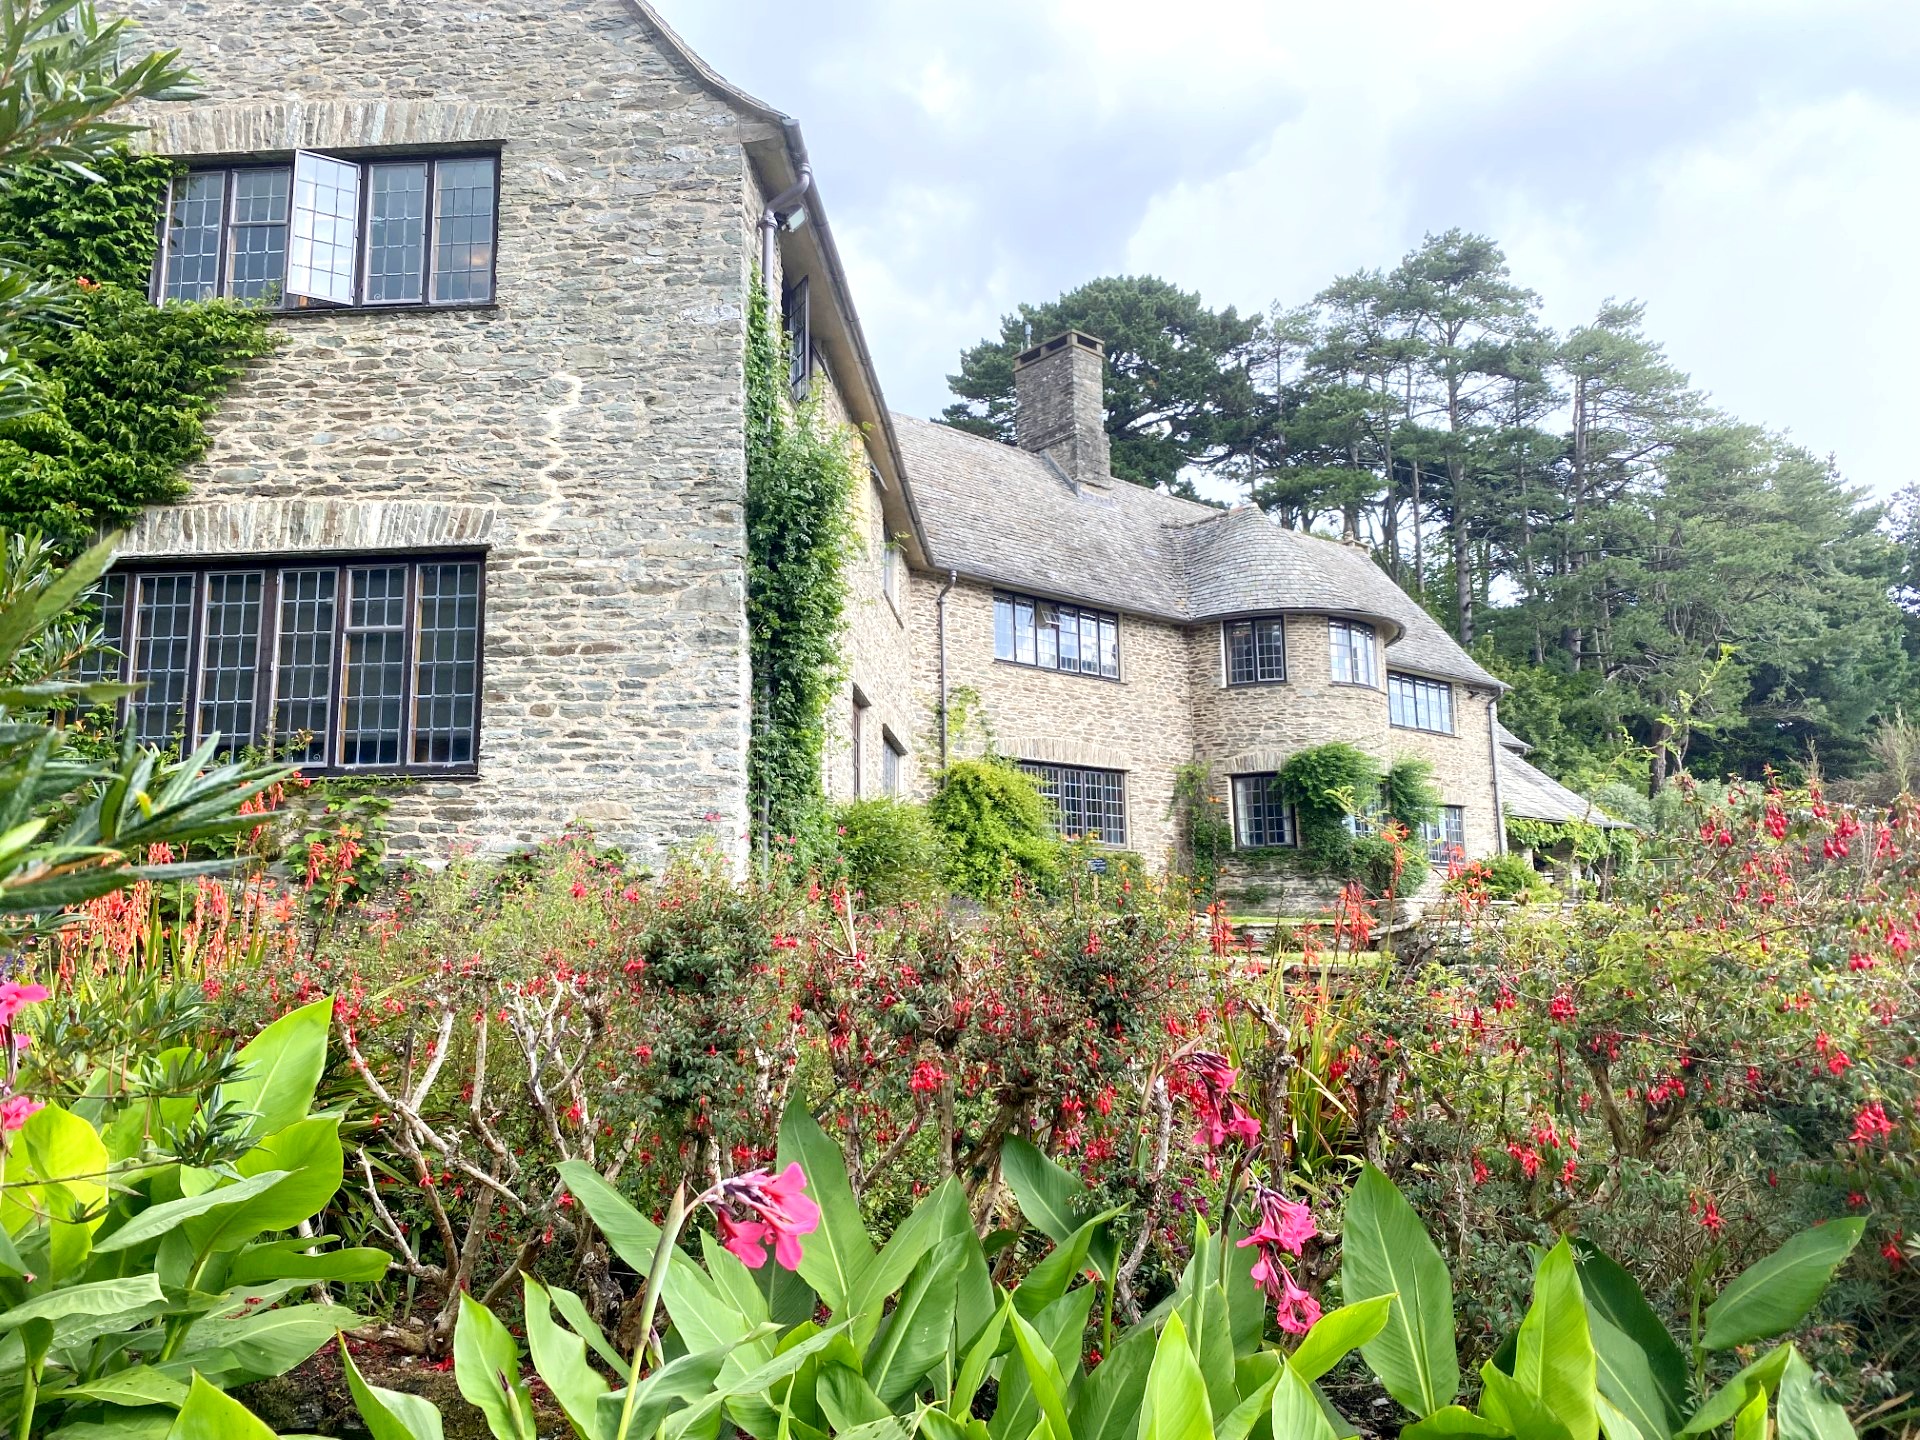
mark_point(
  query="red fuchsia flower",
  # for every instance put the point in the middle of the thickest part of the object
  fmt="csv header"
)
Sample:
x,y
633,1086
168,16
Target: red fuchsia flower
x,y
927,1078
15,1111
776,1210
1892,1252
1710,1220
1871,1124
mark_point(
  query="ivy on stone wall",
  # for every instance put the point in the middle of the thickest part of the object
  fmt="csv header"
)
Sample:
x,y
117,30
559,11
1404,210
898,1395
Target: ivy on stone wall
x,y
802,469
1329,784
126,386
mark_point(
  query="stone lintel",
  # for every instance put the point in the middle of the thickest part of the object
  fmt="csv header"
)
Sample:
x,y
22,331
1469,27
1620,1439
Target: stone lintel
x,y
306,527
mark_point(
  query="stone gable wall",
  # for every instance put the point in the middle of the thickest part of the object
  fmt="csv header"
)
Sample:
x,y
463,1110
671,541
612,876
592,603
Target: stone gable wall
x,y
595,411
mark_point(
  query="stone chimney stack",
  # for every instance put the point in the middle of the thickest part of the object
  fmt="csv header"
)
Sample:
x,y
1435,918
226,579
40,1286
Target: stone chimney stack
x,y
1059,409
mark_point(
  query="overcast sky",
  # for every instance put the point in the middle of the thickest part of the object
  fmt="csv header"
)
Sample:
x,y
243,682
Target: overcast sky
x,y
1748,168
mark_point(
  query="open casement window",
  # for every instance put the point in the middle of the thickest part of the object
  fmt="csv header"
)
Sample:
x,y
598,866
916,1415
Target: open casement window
x,y
346,665
326,229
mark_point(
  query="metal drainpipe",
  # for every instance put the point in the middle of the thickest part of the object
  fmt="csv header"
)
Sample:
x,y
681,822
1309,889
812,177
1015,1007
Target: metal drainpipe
x,y
1499,805
940,608
771,219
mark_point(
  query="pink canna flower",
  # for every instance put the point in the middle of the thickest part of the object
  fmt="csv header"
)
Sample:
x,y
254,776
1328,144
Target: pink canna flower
x,y
1284,1224
777,1209
14,997
1203,1079
1298,1311
15,1111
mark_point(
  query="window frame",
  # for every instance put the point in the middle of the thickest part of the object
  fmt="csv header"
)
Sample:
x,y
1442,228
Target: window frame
x,y
1404,679
1014,599
893,761
1289,822
1253,625
1443,849
291,305
796,301
1042,772
273,569
1337,624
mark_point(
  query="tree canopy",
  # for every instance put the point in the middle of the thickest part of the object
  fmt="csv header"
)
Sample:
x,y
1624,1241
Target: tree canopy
x,y
1663,584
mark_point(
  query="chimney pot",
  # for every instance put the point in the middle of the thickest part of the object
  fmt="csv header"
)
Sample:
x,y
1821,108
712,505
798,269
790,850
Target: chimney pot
x,y
1060,406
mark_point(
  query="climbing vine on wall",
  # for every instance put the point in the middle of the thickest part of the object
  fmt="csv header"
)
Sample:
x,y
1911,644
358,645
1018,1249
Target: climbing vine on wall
x,y
126,386
1329,785
802,467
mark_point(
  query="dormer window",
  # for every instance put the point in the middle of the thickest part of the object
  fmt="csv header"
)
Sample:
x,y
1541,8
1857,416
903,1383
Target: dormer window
x,y
1355,657
325,232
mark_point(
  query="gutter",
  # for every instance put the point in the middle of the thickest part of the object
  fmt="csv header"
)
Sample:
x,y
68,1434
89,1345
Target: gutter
x,y
940,609
1499,804
774,218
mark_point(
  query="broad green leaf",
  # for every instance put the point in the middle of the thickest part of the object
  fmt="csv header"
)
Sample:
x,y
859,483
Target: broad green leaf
x,y
94,1298
1616,1425
1802,1411
666,1390
1336,1333
1626,1380
756,1382
1386,1251
262,1345
919,1332
1296,1411
1453,1420
309,1151
1614,1295
1246,1301
1209,1329
146,1423
1176,1405
390,1414
158,1220
1061,1327
279,1069
1238,1422
1509,1403
926,1226
979,1356
486,1366
1053,1199
141,1385
210,1415
574,1311
1751,1422
833,1256
61,1150
1043,1375
1773,1296
1107,1405
847,1400
560,1357
1555,1358
633,1237
288,1260
1047,1281
1762,1377
734,1280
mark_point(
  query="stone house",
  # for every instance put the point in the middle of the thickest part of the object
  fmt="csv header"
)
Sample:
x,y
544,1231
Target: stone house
x,y
478,523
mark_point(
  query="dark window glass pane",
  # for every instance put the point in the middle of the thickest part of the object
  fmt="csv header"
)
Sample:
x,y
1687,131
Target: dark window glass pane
x,y
257,261
448,647
103,664
193,236
1260,819
1002,628
1086,802
162,656
1270,649
230,658
374,678
1419,703
463,231
396,232
1240,665
303,675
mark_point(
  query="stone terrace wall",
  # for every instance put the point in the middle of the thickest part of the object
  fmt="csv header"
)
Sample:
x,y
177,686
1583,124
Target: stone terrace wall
x,y
595,411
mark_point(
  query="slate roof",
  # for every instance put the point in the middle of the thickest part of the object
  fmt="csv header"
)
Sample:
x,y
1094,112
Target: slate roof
x,y
1010,517
1529,793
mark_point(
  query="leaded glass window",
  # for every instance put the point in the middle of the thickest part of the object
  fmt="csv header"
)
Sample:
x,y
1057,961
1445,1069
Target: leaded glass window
x,y
1352,646
1056,637
1417,703
396,233
1446,837
344,666
1260,819
333,231
1256,651
1086,802
463,231
105,662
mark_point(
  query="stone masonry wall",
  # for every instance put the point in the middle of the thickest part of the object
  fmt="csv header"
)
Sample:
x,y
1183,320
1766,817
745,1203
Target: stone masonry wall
x,y
879,650
1140,724
595,410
